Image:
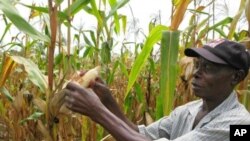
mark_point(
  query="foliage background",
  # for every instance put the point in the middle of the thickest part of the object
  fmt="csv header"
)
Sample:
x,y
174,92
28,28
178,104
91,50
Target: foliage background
x,y
147,74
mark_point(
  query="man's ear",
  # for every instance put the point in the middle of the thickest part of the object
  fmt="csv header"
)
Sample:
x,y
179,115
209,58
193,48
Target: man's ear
x,y
238,76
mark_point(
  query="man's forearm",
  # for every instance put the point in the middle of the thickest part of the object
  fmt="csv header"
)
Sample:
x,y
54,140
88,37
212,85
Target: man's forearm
x,y
110,103
116,127
114,108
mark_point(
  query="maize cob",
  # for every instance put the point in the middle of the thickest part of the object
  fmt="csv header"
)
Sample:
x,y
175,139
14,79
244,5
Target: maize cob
x,y
89,76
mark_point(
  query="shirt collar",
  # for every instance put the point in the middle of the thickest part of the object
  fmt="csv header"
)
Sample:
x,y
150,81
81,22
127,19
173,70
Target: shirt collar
x,y
230,102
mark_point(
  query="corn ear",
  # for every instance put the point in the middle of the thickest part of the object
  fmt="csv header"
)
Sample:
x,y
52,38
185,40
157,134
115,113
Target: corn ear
x,y
57,106
89,76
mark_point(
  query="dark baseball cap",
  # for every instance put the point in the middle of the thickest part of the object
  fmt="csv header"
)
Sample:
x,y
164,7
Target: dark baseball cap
x,y
223,51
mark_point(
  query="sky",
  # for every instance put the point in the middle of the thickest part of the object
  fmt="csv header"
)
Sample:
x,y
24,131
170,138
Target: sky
x,y
141,11
144,10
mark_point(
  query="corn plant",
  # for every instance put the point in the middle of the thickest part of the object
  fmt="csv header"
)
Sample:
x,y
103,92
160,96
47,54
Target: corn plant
x,y
37,62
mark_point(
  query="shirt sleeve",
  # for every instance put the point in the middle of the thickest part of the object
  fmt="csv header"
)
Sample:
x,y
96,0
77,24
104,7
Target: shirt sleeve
x,y
202,134
155,130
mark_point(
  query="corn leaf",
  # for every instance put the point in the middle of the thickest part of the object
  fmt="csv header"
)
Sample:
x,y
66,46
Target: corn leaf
x,y
13,15
247,11
181,7
105,53
62,15
169,55
34,116
76,6
124,23
236,19
115,7
5,30
96,13
34,74
4,91
7,67
154,37
214,27
112,74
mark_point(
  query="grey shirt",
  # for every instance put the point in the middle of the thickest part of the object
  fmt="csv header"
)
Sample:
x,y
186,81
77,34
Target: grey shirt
x,y
212,127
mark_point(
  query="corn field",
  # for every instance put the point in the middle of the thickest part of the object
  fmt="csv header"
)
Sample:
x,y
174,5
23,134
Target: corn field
x,y
148,81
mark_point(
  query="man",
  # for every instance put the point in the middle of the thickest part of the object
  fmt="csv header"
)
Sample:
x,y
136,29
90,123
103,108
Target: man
x,y
219,66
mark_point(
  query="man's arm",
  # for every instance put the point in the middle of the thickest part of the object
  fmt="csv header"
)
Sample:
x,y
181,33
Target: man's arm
x,y
86,102
109,102
117,127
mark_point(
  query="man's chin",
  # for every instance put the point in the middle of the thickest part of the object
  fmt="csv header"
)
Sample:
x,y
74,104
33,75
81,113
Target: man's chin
x,y
198,94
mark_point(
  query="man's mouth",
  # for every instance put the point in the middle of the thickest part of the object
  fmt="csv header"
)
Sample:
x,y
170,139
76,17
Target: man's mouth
x,y
196,86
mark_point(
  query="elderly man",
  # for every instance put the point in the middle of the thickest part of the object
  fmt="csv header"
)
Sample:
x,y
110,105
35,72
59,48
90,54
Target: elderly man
x,y
219,66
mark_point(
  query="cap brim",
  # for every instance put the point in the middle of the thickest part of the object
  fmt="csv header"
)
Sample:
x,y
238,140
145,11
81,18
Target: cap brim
x,y
196,52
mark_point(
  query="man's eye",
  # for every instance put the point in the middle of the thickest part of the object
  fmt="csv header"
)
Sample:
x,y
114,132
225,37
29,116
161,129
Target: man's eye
x,y
196,65
207,67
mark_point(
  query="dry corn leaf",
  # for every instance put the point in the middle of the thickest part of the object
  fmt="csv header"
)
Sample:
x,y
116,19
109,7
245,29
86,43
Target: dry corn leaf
x,y
18,102
148,118
108,138
179,14
41,104
247,11
5,130
43,130
8,65
56,102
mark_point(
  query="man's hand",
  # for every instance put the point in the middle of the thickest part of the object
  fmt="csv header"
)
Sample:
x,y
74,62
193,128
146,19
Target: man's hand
x,y
105,96
103,92
86,102
82,100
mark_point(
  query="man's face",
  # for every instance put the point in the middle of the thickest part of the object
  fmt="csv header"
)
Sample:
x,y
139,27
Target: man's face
x,y
211,80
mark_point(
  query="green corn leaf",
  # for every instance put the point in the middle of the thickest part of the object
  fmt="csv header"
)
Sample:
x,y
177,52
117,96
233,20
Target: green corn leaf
x,y
96,13
154,37
105,53
87,41
124,23
5,30
169,55
13,15
112,74
116,7
123,68
76,6
223,22
34,116
4,91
